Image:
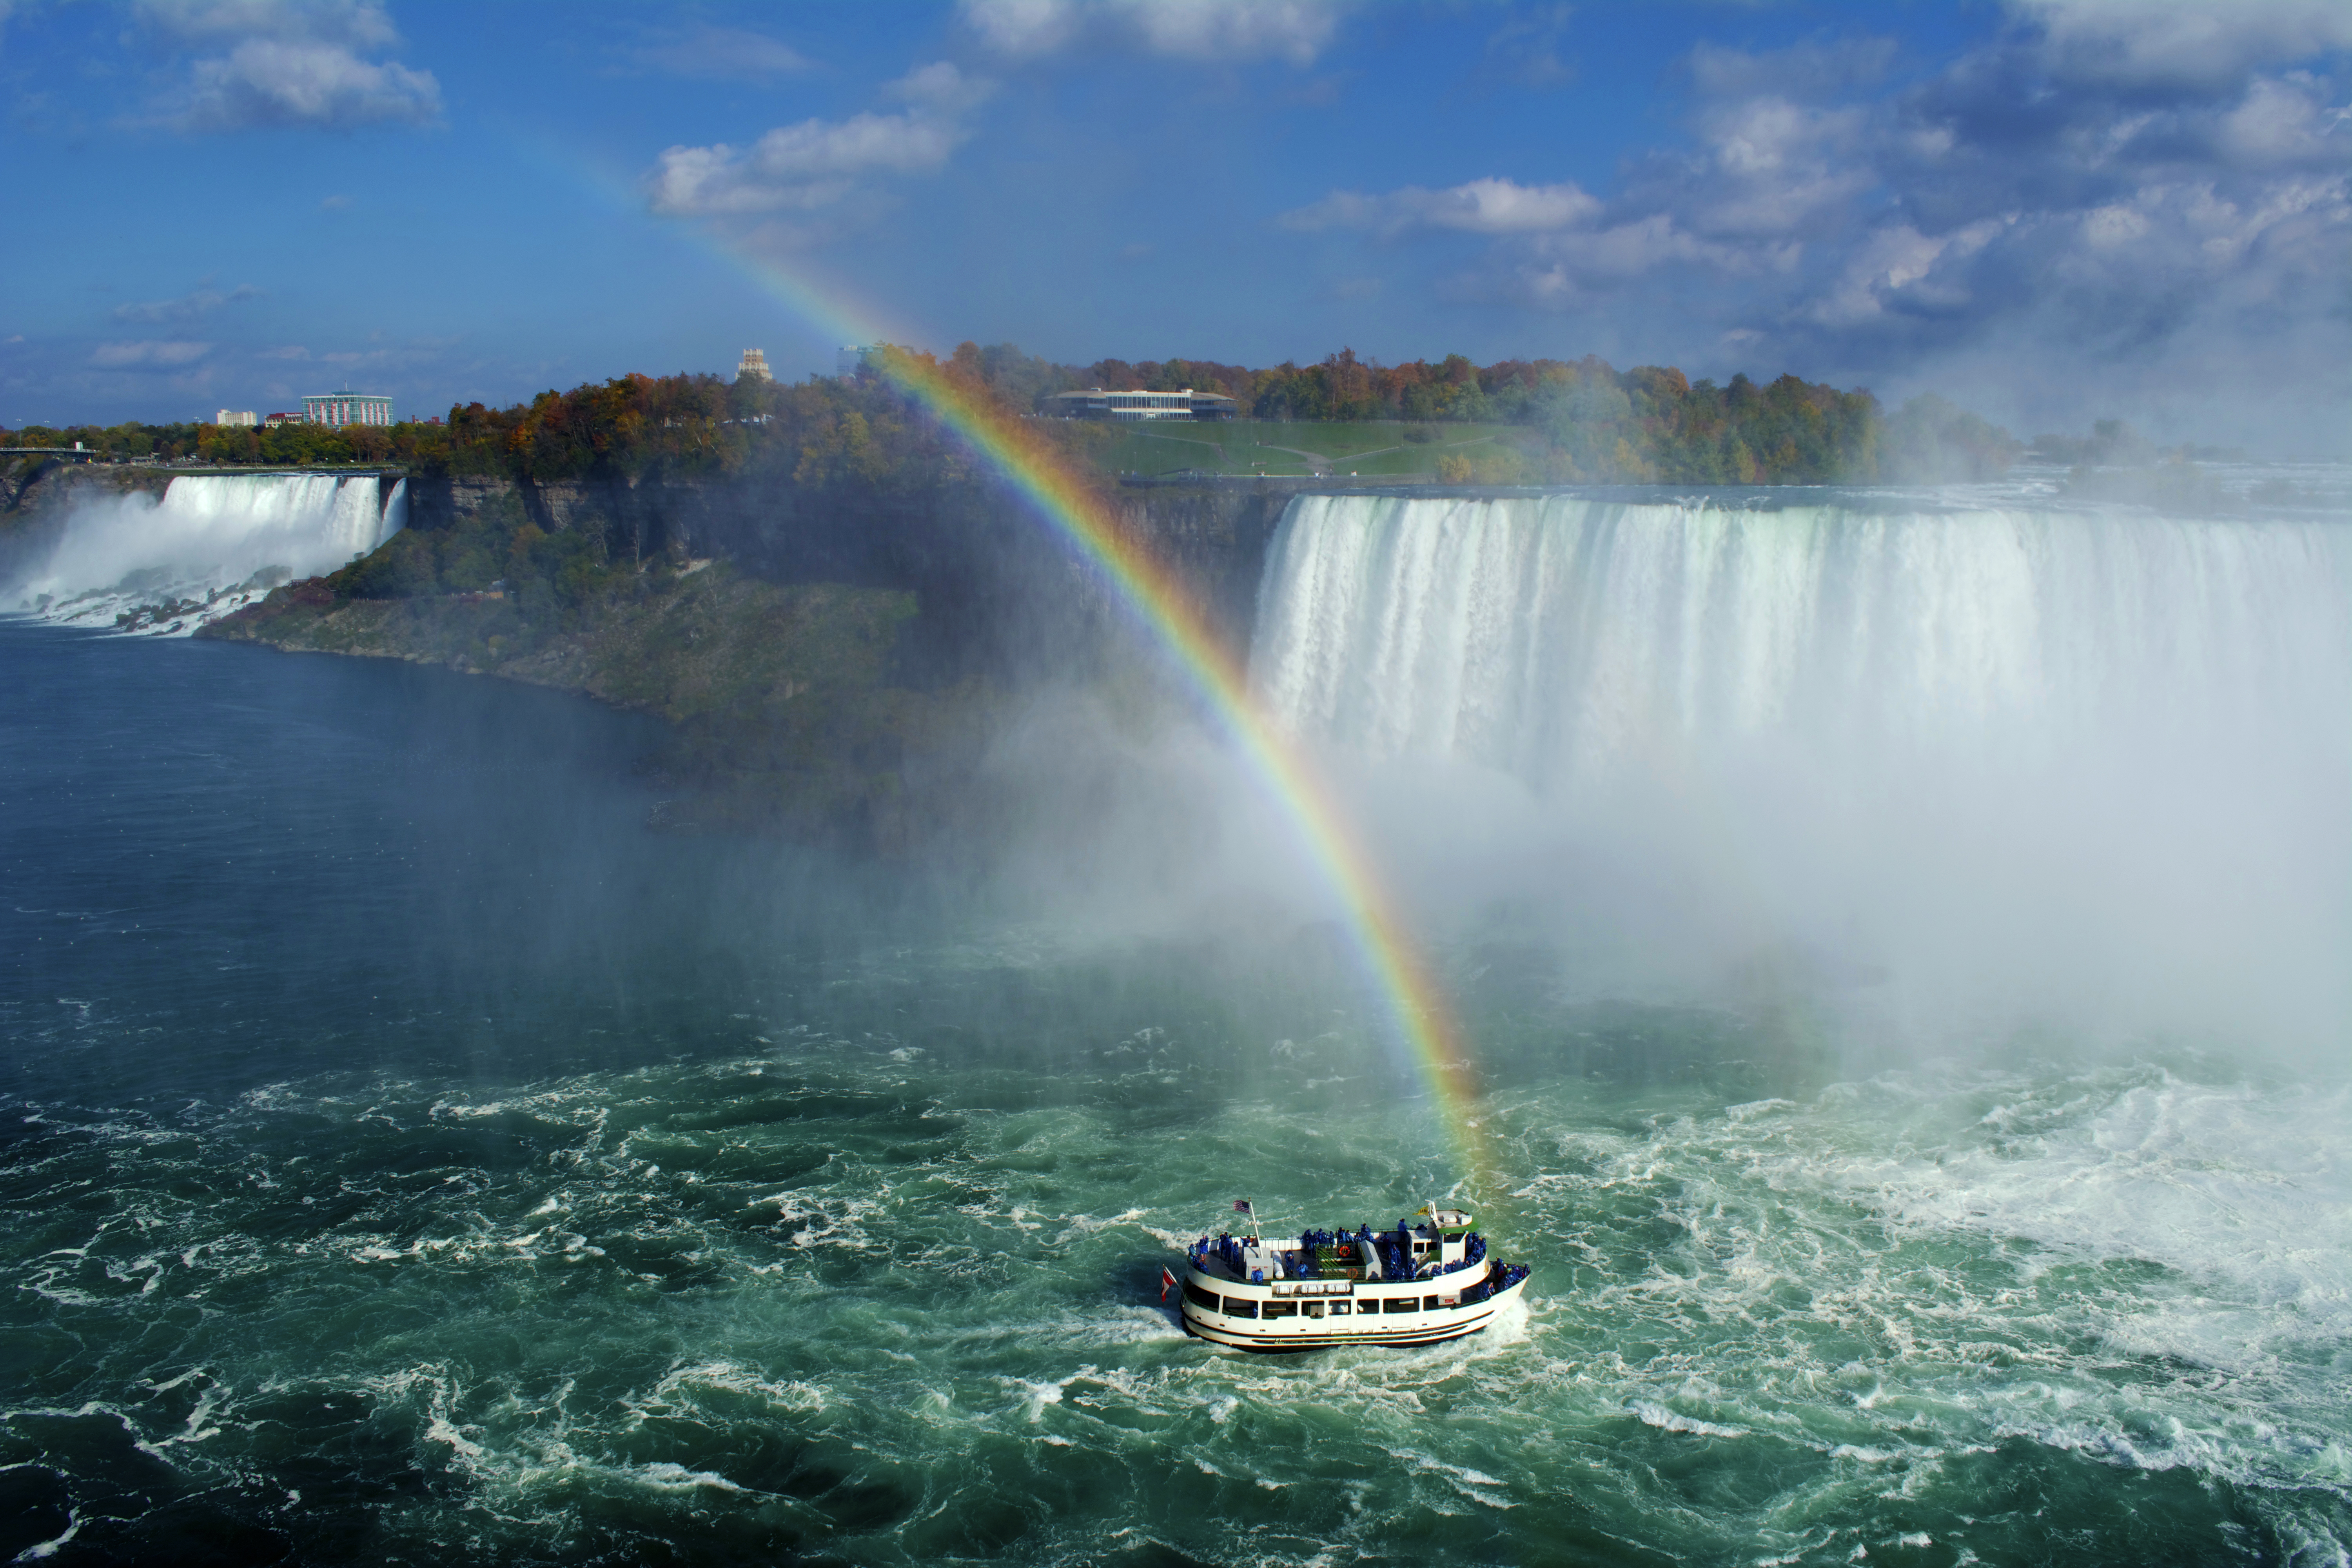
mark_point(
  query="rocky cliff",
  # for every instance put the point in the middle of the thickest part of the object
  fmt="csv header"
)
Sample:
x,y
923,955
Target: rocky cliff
x,y
985,569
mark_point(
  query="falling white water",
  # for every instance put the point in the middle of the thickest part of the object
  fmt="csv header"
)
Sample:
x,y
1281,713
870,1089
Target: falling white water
x,y
2095,761
213,545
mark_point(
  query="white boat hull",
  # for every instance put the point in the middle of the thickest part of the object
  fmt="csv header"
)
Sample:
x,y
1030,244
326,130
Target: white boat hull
x,y
1368,1313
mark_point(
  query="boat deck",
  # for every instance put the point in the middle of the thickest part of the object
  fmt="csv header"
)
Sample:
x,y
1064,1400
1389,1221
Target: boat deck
x,y
1414,1285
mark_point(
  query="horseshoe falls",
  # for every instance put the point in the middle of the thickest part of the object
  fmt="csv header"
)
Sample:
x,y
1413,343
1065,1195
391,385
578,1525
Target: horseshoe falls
x,y
2015,764
1901,938
210,544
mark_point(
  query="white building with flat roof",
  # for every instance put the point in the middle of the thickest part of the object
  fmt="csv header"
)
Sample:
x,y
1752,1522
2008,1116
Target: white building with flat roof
x,y
753,366
337,409
246,420
1096,404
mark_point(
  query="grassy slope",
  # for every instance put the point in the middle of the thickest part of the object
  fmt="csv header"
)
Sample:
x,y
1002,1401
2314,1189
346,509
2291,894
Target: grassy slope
x,y
1270,447
783,698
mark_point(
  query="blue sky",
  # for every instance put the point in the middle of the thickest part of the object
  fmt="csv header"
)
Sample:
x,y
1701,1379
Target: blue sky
x,y
2049,210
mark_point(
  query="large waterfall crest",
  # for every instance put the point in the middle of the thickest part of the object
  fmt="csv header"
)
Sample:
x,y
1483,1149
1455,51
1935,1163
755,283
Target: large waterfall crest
x,y
210,544
2003,738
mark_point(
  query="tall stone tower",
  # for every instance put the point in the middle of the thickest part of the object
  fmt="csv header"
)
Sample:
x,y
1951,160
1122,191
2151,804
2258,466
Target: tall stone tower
x,y
754,366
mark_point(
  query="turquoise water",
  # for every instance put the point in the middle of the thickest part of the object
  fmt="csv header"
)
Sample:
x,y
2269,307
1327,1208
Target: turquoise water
x,y
407,1156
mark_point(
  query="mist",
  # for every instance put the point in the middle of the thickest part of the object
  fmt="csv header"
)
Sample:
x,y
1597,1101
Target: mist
x,y
1951,768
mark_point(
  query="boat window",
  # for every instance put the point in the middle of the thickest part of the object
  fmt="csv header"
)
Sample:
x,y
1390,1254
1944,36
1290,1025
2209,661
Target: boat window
x,y
1237,1308
1429,1304
1206,1299
1314,1308
1405,1304
1282,1309
1338,1309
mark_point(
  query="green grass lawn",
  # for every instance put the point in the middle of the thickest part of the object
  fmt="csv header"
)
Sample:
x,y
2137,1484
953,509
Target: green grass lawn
x,y
1270,447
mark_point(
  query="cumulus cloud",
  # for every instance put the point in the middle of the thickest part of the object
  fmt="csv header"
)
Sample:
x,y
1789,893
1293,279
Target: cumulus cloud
x,y
822,166
1477,207
2101,185
1218,30
200,302
148,355
284,63
2182,45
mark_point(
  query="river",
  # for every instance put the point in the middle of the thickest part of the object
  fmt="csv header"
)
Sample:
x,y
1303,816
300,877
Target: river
x,y
411,1156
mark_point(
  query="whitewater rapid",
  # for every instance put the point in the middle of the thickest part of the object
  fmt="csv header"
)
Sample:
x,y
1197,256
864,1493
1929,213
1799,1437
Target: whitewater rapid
x,y
212,544
2097,757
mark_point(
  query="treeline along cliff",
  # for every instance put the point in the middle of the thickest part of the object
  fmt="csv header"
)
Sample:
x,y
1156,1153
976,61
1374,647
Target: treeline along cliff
x,y
1577,421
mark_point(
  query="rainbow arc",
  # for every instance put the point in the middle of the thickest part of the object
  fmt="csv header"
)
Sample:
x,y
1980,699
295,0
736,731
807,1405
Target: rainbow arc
x,y
1069,503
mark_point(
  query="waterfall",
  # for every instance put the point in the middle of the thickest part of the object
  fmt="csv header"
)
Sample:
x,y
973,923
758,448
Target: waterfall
x,y
2066,749
212,544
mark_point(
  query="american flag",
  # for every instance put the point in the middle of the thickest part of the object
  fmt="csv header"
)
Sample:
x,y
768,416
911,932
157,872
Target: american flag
x,y
1241,1205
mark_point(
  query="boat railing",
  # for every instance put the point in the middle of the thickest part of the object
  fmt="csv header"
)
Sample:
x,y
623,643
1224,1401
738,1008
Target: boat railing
x,y
1327,1254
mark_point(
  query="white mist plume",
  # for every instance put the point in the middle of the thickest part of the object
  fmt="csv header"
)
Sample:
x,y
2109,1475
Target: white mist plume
x,y
2073,766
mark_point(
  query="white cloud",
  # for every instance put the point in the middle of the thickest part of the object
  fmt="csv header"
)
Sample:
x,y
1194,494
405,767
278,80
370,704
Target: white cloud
x,y
725,54
2127,194
157,356
1772,166
2184,42
1488,205
1897,268
940,88
187,307
1295,30
289,63
352,24
1218,30
263,82
819,164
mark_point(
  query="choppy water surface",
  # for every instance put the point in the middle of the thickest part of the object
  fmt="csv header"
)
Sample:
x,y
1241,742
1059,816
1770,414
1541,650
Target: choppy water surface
x,y
407,1156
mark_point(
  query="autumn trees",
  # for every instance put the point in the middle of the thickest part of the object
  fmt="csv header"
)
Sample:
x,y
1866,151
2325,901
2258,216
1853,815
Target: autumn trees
x,y
1580,421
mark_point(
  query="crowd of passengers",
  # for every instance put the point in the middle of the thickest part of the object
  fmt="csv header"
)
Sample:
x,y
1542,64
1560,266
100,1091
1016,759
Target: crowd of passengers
x,y
1386,1254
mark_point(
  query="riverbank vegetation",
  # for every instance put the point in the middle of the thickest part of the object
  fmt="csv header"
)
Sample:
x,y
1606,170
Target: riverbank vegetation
x,y
127,442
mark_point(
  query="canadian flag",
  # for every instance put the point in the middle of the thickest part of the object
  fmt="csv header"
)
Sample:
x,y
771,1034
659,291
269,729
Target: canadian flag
x,y
1167,1282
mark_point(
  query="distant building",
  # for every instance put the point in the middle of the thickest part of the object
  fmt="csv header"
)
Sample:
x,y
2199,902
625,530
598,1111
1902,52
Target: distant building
x,y
231,417
856,357
1096,403
337,409
753,366
273,421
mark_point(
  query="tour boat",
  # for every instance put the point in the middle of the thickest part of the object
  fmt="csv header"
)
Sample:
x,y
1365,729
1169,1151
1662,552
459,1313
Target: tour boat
x,y
1428,1279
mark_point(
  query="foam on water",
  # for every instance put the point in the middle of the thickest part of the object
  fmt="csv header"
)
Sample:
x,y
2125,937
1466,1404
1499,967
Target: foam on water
x,y
212,544
1821,1322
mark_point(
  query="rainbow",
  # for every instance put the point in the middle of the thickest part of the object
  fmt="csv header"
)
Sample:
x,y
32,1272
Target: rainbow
x,y
1068,502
